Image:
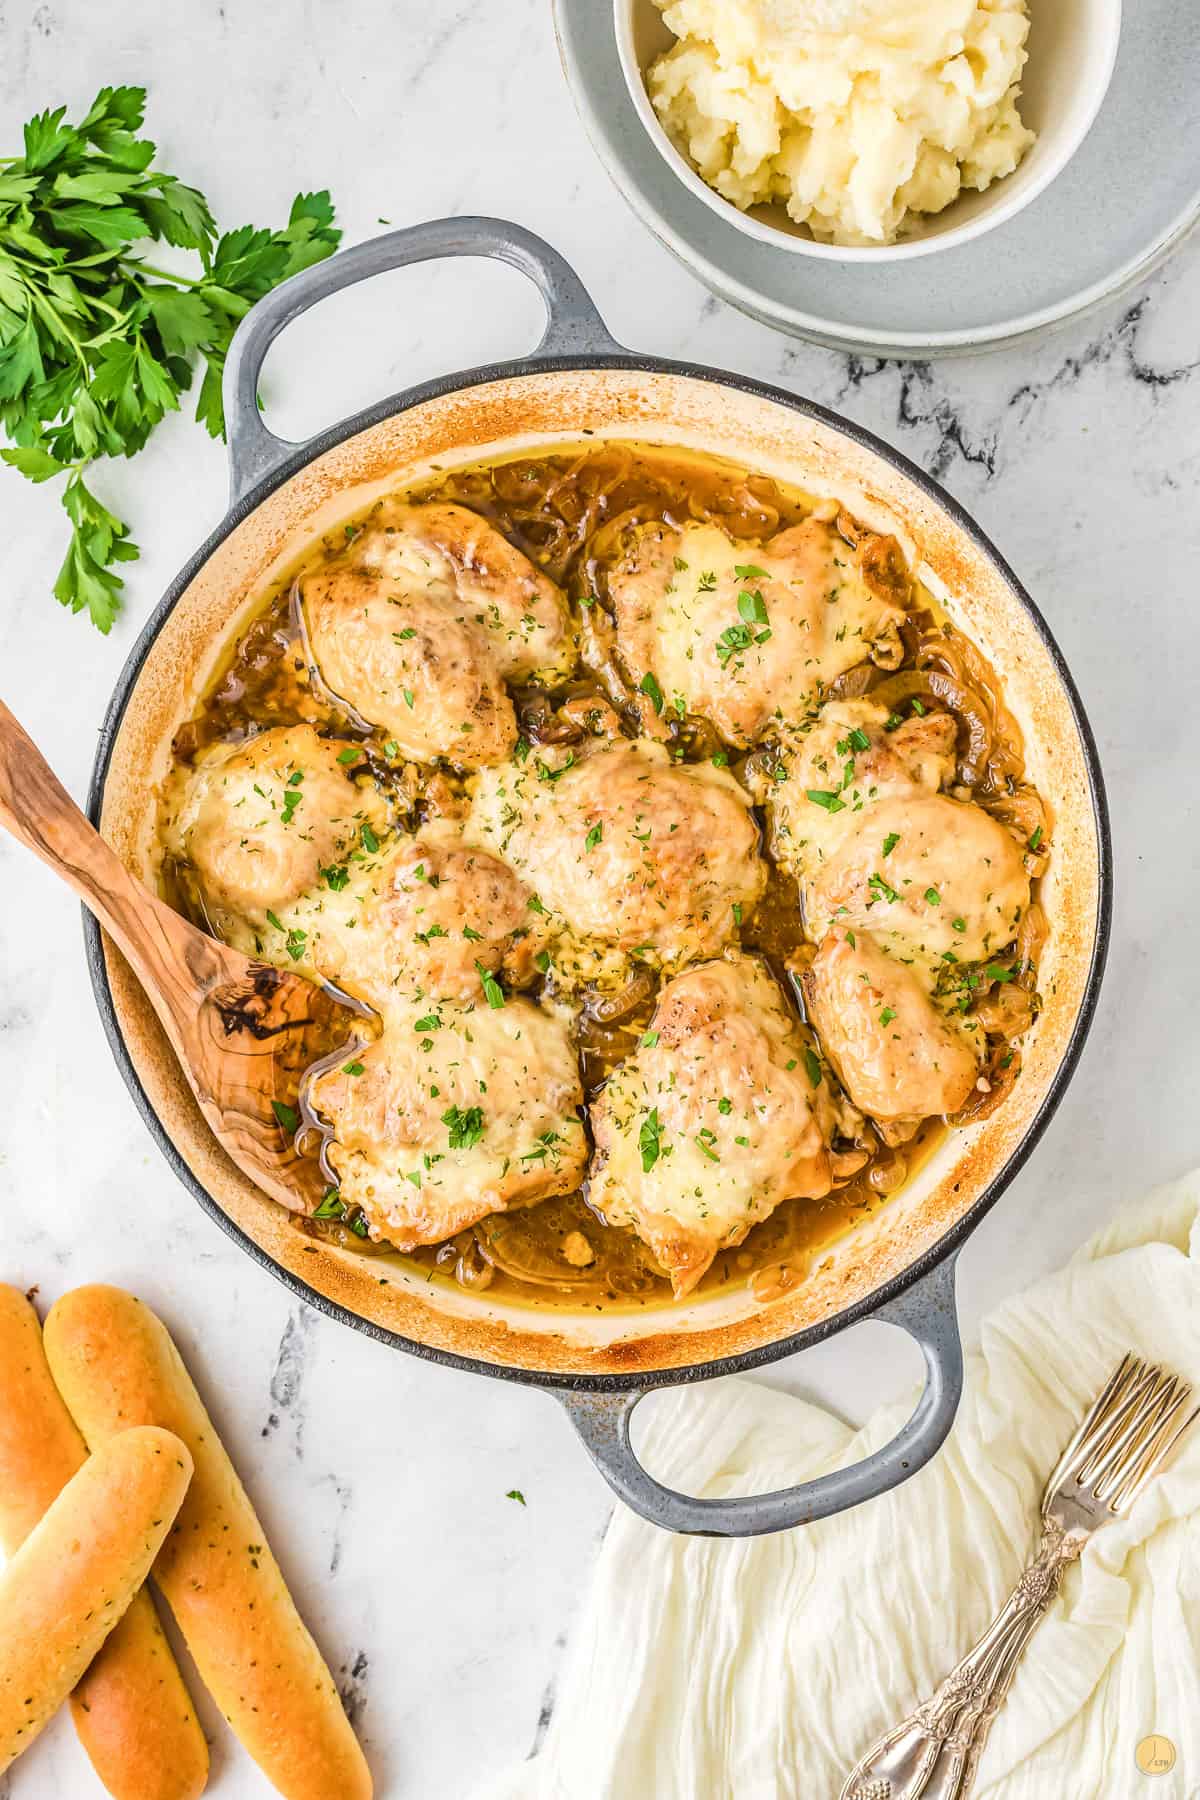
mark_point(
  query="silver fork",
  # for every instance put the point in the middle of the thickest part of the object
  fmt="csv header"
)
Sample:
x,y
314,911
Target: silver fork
x,y
1120,1446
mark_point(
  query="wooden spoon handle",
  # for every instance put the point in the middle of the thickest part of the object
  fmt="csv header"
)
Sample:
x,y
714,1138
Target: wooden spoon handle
x,y
174,962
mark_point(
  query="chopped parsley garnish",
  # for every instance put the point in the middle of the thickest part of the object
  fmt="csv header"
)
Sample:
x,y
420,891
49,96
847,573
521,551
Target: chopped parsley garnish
x,y
542,961
273,919
465,1127
430,1022
707,582
705,1147
1036,839
286,1115
410,631
534,904
812,1067
520,749
594,835
890,842
296,940
892,722
335,877
858,739
359,1226
649,1039
492,991
680,565
933,897
291,798
737,912
887,1015
752,608
649,686
650,1140
997,973
919,708
750,572
724,1106
370,842
391,749
515,1493
959,924
882,888
331,1207
832,803
408,697
720,759
472,936
352,1068
546,773
731,640
350,754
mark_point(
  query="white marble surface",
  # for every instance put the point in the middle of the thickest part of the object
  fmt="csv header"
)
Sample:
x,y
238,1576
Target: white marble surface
x,y
382,1481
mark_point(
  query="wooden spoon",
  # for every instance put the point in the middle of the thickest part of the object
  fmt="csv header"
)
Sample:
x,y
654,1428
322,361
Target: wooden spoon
x,y
244,1032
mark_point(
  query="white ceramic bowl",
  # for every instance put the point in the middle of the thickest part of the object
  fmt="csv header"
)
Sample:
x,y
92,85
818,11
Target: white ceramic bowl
x,y
1072,50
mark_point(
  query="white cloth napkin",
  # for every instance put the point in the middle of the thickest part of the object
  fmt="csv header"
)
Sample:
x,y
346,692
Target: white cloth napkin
x,y
761,1670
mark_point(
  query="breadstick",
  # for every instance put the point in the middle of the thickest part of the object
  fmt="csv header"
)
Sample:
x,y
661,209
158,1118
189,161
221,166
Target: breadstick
x,y
133,1714
116,1366
73,1577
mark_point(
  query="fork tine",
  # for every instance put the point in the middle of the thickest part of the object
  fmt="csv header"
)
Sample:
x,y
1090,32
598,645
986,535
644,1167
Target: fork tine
x,y
1088,1425
1105,1421
1110,1464
1155,1454
1118,1430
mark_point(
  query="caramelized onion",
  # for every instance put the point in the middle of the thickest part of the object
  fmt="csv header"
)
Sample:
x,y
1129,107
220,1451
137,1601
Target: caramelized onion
x,y
967,707
993,1088
1031,940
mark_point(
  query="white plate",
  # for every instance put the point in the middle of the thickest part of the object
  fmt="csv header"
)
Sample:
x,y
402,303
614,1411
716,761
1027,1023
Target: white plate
x,y
1128,197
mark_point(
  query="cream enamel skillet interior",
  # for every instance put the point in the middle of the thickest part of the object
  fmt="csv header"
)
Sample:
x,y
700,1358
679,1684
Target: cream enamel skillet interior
x,y
580,392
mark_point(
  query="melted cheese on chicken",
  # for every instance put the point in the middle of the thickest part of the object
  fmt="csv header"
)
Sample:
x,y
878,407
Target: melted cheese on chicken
x,y
626,848
420,621
428,916
822,781
933,874
458,1111
713,1121
897,1056
259,820
747,634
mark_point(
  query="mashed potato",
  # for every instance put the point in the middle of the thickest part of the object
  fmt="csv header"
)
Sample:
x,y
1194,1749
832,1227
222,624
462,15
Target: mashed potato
x,y
852,113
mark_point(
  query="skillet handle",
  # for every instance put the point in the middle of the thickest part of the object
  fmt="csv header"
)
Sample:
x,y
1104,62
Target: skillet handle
x,y
926,1311
573,326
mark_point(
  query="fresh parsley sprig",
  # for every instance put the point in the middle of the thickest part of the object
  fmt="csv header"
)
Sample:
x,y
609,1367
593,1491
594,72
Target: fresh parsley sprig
x,y
96,343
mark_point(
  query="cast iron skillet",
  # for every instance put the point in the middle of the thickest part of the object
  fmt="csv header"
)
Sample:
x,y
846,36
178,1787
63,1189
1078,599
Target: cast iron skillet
x,y
921,1299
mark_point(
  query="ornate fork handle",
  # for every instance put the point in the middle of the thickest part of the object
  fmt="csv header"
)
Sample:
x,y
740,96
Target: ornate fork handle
x,y
935,1751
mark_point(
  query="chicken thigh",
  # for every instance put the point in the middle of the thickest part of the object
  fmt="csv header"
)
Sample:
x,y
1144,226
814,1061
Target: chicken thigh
x,y
722,1112
456,1111
416,626
258,821
821,782
626,847
933,874
432,917
748,635
899,1059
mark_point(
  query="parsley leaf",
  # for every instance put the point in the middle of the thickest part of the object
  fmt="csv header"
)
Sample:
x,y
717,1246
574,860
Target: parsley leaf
x,y
286,1115
649,686
650,1140
97,344
465,1128
493,993
823,797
